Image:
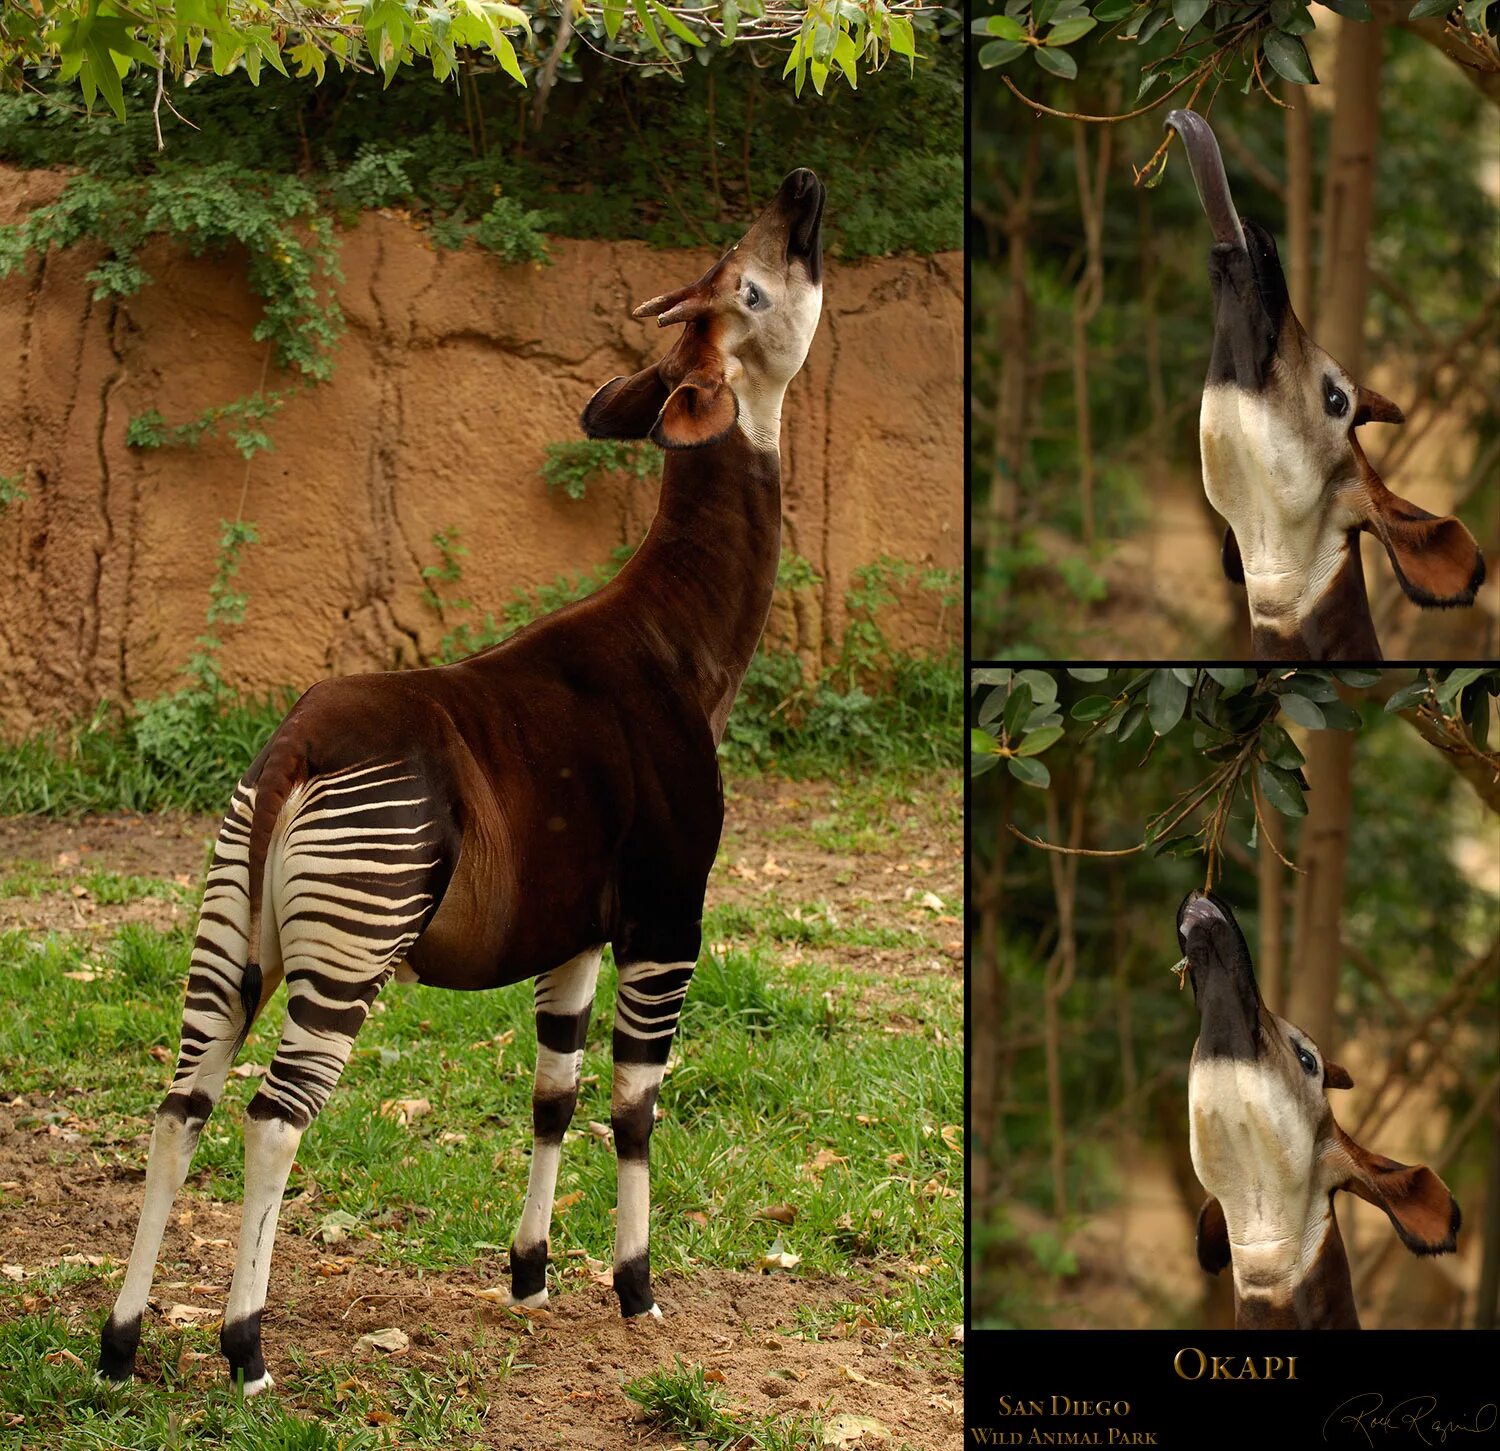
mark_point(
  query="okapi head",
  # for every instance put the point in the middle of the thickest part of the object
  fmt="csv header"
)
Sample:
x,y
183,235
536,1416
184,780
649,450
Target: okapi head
x,y
749,321
1265,1145
1282,461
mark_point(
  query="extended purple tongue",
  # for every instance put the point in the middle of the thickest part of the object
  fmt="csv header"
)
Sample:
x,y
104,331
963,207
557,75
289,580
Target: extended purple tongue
x,y
1208,175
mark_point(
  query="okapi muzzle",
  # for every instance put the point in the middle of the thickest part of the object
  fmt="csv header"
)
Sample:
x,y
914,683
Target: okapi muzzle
x,y
1282,462
1266,1147
749,322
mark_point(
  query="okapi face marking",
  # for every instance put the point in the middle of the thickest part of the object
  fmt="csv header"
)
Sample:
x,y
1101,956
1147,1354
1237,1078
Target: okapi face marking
x,y
1265,1145
1282,462
750,322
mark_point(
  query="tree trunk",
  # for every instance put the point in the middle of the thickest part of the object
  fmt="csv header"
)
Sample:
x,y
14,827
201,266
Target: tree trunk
x,y
1317,949
1270,959
1349,191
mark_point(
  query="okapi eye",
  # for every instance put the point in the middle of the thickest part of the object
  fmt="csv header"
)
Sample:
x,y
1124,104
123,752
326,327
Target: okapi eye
x,y
1335,400
753,296
1308,1062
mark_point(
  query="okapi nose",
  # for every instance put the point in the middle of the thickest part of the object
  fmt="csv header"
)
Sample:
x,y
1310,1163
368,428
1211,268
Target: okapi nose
x,y
1200,912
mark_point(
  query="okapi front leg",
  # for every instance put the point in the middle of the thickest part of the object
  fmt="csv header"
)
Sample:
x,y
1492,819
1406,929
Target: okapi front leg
x,y
564,999
647,1004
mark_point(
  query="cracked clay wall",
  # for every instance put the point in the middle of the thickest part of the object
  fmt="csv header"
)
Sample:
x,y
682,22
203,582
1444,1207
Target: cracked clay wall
x,y
453,373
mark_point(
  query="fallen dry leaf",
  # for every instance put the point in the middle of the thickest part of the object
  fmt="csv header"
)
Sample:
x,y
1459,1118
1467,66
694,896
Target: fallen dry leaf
x,y
405,1110
249,1070
61,1357
159,1053
781,1213
82,975
847,1430
13,1272
778,1257
336,1227
567,1201
181,1315
697,1216
391,1340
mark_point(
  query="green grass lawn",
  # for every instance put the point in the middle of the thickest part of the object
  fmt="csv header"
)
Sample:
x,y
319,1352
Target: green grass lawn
x,y
828,1094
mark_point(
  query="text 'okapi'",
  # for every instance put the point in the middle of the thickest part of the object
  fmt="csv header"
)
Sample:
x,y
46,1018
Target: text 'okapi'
x,y
1265,1146
505,817
1282,463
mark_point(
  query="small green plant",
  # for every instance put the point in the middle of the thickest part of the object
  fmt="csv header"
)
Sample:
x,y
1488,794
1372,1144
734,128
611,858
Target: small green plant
x,y
377,177
242,419
573,465
512,232
447,571
11,491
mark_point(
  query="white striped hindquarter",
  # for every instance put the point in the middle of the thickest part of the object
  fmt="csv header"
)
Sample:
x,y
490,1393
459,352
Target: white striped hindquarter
x,y
348,889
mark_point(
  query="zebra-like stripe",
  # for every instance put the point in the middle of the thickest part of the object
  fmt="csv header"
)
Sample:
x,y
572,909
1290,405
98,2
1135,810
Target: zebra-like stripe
x,y
648,999
215,1001
351,889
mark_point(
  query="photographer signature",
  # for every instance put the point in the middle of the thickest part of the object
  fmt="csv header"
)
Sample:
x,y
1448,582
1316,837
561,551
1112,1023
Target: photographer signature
x,y
1419,1415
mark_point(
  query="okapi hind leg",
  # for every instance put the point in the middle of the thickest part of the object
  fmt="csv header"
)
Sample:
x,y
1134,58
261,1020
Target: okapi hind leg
x,y
564,999
648,1001
225,992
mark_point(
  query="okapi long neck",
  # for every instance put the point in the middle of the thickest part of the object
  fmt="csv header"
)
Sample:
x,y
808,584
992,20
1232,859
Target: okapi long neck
x,y
1333,624
1305,1286
703,579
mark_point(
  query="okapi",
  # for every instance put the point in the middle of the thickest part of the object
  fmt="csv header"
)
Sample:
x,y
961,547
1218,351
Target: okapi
x,y
504,817
1265,1145
1282,463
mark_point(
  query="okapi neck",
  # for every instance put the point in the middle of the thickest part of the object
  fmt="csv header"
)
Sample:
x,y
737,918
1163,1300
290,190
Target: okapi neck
x,y
705,574
1317,1294
1335,625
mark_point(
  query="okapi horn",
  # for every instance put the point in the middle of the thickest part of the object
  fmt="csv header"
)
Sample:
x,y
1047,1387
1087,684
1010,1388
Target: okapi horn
x,y
680,306
1207,166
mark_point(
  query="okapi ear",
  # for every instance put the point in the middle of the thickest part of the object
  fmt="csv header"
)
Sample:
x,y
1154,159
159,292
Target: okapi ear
x,y
1212,1236
1335,1076
1418,1203
1234,567
1435,558
1373,407
626,407
701,409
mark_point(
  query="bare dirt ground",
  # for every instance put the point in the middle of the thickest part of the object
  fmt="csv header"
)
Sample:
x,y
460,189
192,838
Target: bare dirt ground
x,y
552,1378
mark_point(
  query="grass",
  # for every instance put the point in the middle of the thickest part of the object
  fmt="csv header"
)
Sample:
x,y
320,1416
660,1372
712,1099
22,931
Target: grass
x,y
788,1090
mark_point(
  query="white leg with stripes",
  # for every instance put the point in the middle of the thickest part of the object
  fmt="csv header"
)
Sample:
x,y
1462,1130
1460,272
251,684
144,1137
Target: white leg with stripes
x,y
564,998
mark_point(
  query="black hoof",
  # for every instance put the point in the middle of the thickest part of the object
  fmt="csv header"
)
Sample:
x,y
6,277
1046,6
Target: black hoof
x,y
528,1270
240,1343
633,1286
117,1345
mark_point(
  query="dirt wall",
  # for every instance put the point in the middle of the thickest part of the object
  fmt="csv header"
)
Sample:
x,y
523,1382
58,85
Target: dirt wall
x,y
453,374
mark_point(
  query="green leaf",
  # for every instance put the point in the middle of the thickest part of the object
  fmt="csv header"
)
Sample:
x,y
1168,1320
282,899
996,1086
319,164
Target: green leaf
x,y
994,704
1110,10
1453,682
989,675
999,25
1314,684
1041,684
1231,678
1350,9
1033,773
1279,748
1186,845
1359,679
674,24
1131,720
1089,675
998,52
1476,713
1046,714
1292,17
1288,57
1059,62
1092,707
1038,741
1017,708
982,743
1187,13
1423,8
1065,32
1338,715
1302,710
1281,789
1165,700
614,13
1408,696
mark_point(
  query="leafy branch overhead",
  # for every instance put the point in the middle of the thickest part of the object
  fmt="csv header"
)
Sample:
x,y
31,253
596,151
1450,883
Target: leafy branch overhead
x,y
1237,719
100,42
1192,42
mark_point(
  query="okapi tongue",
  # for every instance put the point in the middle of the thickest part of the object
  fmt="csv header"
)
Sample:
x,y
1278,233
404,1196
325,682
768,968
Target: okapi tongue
x,y
1207,166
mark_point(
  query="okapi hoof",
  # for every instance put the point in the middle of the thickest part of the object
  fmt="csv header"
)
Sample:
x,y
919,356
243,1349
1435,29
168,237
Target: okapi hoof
x,y
117,1346
526,1302
633,1286
240,1344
